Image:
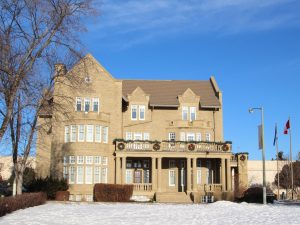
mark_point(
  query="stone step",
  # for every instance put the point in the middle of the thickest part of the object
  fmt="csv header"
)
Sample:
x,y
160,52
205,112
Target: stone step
x,y
173,197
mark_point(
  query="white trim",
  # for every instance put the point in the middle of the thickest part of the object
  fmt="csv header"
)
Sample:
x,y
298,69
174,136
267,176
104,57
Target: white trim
x,y
190,135
146,136
89,133
98,133
142,107
87,100
129,176
73,134
128,135
80,159
89,160
105,134
104,174
97,174
97,160
80,173
72,174
88,174
198,137
172,174
185,111
95,100
72,159
104,160
81,130
134,107
199,176
67,134
207,136
193,110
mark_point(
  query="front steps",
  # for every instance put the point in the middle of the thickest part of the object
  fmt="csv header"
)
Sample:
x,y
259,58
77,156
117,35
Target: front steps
x,y
173,197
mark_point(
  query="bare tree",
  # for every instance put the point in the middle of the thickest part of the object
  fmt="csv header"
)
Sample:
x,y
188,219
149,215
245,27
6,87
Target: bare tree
x,y
34,35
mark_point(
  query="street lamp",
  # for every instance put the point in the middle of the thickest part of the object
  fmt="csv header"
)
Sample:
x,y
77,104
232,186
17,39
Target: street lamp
x,y
251,110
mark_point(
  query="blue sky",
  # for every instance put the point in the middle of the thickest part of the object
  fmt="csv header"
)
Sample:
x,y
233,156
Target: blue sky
x,y
252,47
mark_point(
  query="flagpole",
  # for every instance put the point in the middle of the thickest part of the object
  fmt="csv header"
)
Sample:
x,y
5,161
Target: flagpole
x,y
276,139
291,159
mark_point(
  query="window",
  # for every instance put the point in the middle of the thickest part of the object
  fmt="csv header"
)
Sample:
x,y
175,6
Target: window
x,y
79,174
192,113
78,198
89,133
89,160
65,172
105,134
78,104
73,133
171,177
72,159
138,136
142,112
134,112
199,176
199,163
172,136
185,110
95,104
65,160
72,174
97,175
146,163
97,160
207,136
190,137
208,172
172,163
80,133
128,176
128,163
80,159
182,136
128,135
88,174
67,134
146,136
98,133
198,137
89,198
146,176
87,104
104,160
104,175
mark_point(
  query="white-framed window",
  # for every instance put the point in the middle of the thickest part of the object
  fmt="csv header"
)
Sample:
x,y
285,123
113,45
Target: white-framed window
x,y
182,136
104,160
105,134
81,133
172,163
104,175
97,174
128,163
138,136
88,174
67,133
141,112
73,133
71,174
78,198
87,103
95,104
128,176
134,109
89,160
65,172
146,136
72,159
207,136
146,176
172,136
89,133
190,137
80,159
71,198
199,176
185,111
78,104
128,135
198,137
79,175
98,133
89,198
192,113
66,160
171,177
97,160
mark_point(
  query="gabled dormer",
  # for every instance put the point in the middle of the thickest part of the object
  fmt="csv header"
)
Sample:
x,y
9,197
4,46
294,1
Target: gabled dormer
x,y
138,104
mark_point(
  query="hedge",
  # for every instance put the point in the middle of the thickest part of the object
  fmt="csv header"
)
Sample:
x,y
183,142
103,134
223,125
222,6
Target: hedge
x,y
112,192
10,204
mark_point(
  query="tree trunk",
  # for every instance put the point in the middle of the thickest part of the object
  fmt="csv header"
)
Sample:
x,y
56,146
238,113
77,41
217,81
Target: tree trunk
x,y
19,181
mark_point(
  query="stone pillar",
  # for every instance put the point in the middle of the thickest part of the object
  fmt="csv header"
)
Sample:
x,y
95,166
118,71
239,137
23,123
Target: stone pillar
x,y
159,173
123,170
118,170
194,174
228,170
154,178
188,178
223,180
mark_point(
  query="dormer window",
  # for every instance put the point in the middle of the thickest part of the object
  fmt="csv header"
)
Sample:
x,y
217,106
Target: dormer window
x,y
142,112
78,104
192,113
189,113
134,112
87,104
185,111
138,112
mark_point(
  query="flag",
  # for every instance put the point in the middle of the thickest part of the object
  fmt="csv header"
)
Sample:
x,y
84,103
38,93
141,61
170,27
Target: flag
x,y
275,136
287,126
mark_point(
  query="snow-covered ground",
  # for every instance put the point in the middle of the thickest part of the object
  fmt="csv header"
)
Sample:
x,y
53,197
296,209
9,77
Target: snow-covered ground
x,y
146,213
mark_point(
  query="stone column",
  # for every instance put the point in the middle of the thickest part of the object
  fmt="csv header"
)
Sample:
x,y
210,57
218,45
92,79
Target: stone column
x,y
123,170
195,185
223,180
118,170
228,170
154,178
159,173
188,174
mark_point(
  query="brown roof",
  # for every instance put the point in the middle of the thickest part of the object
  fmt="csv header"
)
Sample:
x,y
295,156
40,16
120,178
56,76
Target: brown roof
x,y
164,93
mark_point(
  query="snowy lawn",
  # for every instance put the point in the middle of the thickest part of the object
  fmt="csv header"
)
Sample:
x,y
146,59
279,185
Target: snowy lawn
x,y
146,213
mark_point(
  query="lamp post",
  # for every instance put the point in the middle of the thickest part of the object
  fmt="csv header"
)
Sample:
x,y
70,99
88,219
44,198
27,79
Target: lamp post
x,y
251,110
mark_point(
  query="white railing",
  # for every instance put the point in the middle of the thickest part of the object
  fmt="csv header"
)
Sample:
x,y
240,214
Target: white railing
x,y
210,187
142,187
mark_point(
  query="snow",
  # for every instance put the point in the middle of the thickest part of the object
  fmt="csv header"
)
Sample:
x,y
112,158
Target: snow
x,y
221,212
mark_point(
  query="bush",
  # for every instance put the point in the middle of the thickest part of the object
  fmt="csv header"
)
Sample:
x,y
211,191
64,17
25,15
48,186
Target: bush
x,y
49,185
62,196
255,195
112,192
10,204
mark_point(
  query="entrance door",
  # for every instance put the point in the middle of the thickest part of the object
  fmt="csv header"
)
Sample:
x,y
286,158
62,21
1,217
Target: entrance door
x,y
138,176
182,175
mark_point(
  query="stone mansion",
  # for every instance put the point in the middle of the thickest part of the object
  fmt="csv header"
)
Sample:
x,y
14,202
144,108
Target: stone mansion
x,y
163,136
